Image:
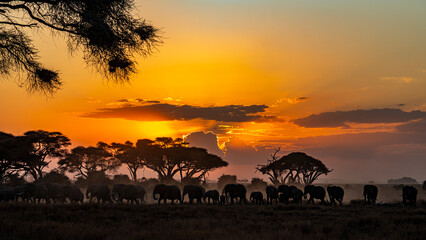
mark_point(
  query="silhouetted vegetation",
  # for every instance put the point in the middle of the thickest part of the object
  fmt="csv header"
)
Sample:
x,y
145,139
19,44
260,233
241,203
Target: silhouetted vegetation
x,y
85,160
107,32
295,167
226,179
56,176
403,180
31,153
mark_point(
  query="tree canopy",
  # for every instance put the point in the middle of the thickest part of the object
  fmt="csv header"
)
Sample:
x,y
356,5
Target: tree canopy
x,y
108,33
295,167
85,160
168,157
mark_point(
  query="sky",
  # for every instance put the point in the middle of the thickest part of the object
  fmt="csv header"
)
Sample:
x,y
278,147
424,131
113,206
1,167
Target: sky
x,y
343,81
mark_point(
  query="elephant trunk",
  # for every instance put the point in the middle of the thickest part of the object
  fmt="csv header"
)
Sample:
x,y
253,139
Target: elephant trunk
x,y
183,195
113,197
154,196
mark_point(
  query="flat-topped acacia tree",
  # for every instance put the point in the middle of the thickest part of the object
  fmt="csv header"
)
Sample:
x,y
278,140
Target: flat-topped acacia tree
x,y
296,167
106,31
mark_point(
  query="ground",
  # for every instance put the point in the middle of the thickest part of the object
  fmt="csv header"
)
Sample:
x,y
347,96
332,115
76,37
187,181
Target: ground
x,y
90,221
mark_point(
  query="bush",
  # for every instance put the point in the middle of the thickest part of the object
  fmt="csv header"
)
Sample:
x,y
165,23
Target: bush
x,y
93,178
191,181
226,179
55,176
257,184
121,179
15,180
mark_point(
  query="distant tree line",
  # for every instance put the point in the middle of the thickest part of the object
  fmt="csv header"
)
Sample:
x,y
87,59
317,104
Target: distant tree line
x,y
31,153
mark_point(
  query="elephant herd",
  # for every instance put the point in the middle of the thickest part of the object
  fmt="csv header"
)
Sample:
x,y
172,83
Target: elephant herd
x,y
231,193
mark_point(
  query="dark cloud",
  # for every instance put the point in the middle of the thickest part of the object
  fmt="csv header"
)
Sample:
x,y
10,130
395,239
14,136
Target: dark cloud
x,y
370,156
167,112
340,118
207,140
136,100
418,126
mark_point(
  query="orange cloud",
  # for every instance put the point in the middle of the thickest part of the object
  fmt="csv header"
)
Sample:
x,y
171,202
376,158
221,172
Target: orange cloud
x,y
297,100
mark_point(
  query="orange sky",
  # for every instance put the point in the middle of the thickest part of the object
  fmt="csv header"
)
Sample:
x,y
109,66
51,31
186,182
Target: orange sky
x,y
296,57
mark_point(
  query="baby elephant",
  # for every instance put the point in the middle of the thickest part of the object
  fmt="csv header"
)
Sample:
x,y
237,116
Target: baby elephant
x,y
335,193
409,195
256,198
213,195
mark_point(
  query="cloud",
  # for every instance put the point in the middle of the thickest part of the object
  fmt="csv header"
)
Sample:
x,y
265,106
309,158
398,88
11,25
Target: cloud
x,y
168,112
371,156
341,118
297,100
291,100
398,79
207,140
92,100
413,126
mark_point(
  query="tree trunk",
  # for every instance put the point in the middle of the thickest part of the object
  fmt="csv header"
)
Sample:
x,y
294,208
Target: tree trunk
x,y
134,175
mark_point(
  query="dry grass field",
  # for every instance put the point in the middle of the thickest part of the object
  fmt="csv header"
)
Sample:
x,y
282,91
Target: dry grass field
x,y
90,221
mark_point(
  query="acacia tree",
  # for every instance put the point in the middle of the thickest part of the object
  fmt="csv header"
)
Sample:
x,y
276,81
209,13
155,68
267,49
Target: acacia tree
x,y
131,156
274,174
106,31
168,157
86,160
196,163
7,160
160,156
37,149
294,167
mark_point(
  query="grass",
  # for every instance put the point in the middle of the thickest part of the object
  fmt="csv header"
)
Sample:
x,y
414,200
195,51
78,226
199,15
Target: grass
x,y
90,221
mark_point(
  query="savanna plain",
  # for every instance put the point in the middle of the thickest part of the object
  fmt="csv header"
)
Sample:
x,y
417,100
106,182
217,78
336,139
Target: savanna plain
x,y
388,219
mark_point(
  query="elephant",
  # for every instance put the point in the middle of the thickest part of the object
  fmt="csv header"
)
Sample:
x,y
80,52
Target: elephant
x,y
36,192
235,191
335,193
99,191
213,195
140,193
166,192
55,192
271,194
257,198
315,192
409,196
6,194
194,192
222,200
284,193
125,191
297,195
18,192
73,194
370,194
